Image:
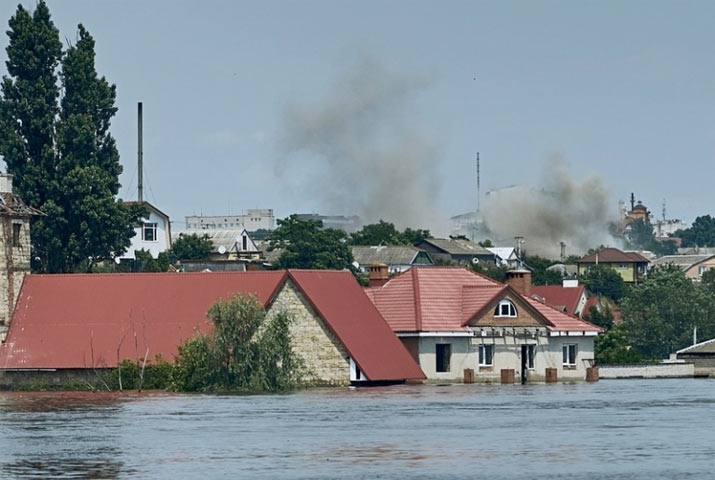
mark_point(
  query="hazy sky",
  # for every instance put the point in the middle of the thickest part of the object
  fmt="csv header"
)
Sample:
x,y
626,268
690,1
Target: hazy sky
x,y
624,90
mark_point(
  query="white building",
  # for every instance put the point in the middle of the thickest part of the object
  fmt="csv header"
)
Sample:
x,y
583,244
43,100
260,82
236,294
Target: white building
x,y
252,220
152,233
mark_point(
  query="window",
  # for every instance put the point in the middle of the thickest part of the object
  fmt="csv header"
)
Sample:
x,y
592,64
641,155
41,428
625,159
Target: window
x,y
444,353
486,355
702,270
569,355
149,232
16,228
245,243
505,309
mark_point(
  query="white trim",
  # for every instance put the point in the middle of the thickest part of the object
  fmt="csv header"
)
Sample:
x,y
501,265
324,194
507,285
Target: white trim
x,y
572,334
436,334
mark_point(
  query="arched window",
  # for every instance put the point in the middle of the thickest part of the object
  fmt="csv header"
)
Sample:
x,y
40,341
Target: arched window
x,y
505,309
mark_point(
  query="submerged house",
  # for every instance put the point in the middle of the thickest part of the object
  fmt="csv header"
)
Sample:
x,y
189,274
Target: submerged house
x,y
459,325
67,325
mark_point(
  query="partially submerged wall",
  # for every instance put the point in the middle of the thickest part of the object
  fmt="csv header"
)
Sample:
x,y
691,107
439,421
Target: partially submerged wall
x,y
656,370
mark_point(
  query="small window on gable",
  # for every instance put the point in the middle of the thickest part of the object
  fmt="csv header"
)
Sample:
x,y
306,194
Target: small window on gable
x,y
505,309
16,229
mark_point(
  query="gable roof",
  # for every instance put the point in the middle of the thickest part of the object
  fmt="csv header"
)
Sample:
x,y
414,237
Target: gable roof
x,y
389,254
149,206
684,262
444,299
228,239
458,246
82,320
559,296
613,255
706,347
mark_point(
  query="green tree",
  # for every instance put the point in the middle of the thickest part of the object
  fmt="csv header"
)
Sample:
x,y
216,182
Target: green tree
x,y
662,312
700,234
613,347
604,281
539,273
64,160
486,243
490,270
191,247
146,263
641,234
305,244
602,318
707,281
413,237
381,233
246,351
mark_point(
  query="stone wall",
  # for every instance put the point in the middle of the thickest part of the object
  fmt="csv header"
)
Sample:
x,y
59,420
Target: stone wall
x,y
14,265
325,358
657,370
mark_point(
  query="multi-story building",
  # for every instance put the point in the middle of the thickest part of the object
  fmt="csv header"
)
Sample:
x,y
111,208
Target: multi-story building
x,y
252,220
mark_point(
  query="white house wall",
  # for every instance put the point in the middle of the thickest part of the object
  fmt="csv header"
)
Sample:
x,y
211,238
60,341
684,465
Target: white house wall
x,y
507,355
161,244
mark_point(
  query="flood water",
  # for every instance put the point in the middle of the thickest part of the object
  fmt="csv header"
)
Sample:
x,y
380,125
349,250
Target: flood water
x,y
638,429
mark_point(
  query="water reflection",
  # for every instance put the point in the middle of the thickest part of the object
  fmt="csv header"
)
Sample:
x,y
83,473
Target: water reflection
x,y
618,429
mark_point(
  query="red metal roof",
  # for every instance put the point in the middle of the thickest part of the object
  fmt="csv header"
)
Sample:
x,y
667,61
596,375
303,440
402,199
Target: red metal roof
x,y
79,321
85,321
445,298
351,316
559,296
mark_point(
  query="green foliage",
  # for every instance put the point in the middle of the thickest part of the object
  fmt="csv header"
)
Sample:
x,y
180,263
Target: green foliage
x,y
486,243
661,313
700,234
156,376
413,237
146,263
490,270
63,158
191,247
306,245
539,273
707,281
604,281
641,234
613,347
385,233
603,318
247,351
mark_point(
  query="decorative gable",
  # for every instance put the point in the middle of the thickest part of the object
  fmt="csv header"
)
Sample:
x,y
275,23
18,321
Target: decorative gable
x,y
506,310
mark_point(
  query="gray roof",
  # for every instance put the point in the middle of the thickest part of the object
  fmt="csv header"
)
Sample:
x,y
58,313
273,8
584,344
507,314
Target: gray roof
x,y
458,246
682,261
707,346
389,255
227,239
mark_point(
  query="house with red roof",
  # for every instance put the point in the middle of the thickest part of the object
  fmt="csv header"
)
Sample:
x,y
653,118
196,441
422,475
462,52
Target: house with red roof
x,y
569,297
78,323
457,323
631,266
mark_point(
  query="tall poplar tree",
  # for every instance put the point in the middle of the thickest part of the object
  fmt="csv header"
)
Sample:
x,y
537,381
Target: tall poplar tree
x,y
63,158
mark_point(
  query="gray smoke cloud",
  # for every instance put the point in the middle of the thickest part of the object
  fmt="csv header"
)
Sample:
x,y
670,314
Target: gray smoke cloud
x,y
359,150
560,209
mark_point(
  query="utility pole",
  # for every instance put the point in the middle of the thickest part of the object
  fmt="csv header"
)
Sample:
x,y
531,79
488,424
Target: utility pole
x,y
140,153
479,193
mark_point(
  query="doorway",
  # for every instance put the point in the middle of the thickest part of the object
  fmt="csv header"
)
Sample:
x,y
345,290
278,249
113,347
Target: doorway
x,y
527,361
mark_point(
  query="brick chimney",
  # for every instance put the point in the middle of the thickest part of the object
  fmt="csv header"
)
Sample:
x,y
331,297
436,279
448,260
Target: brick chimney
x,y
378,275
519,280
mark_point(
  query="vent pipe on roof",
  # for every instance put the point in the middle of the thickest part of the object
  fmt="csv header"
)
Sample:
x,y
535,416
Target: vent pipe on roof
x,y
140,154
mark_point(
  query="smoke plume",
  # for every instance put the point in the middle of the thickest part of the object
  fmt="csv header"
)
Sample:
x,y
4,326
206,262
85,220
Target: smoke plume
x,y
561,209
358,150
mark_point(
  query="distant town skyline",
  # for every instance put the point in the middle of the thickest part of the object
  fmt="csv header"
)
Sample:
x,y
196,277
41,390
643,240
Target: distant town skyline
x,y
621,90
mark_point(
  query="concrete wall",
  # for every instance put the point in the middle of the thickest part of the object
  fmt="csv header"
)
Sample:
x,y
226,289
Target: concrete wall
x,y
326,360
507,355
659,370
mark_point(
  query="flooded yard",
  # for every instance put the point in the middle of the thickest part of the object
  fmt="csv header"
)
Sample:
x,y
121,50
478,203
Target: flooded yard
x,y
639,429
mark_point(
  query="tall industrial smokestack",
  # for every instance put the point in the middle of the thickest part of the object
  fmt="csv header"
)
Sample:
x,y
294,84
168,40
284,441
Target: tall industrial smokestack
x,y
479,193
140,153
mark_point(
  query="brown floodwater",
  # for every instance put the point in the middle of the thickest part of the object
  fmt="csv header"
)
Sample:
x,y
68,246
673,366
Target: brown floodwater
x,y
637,429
